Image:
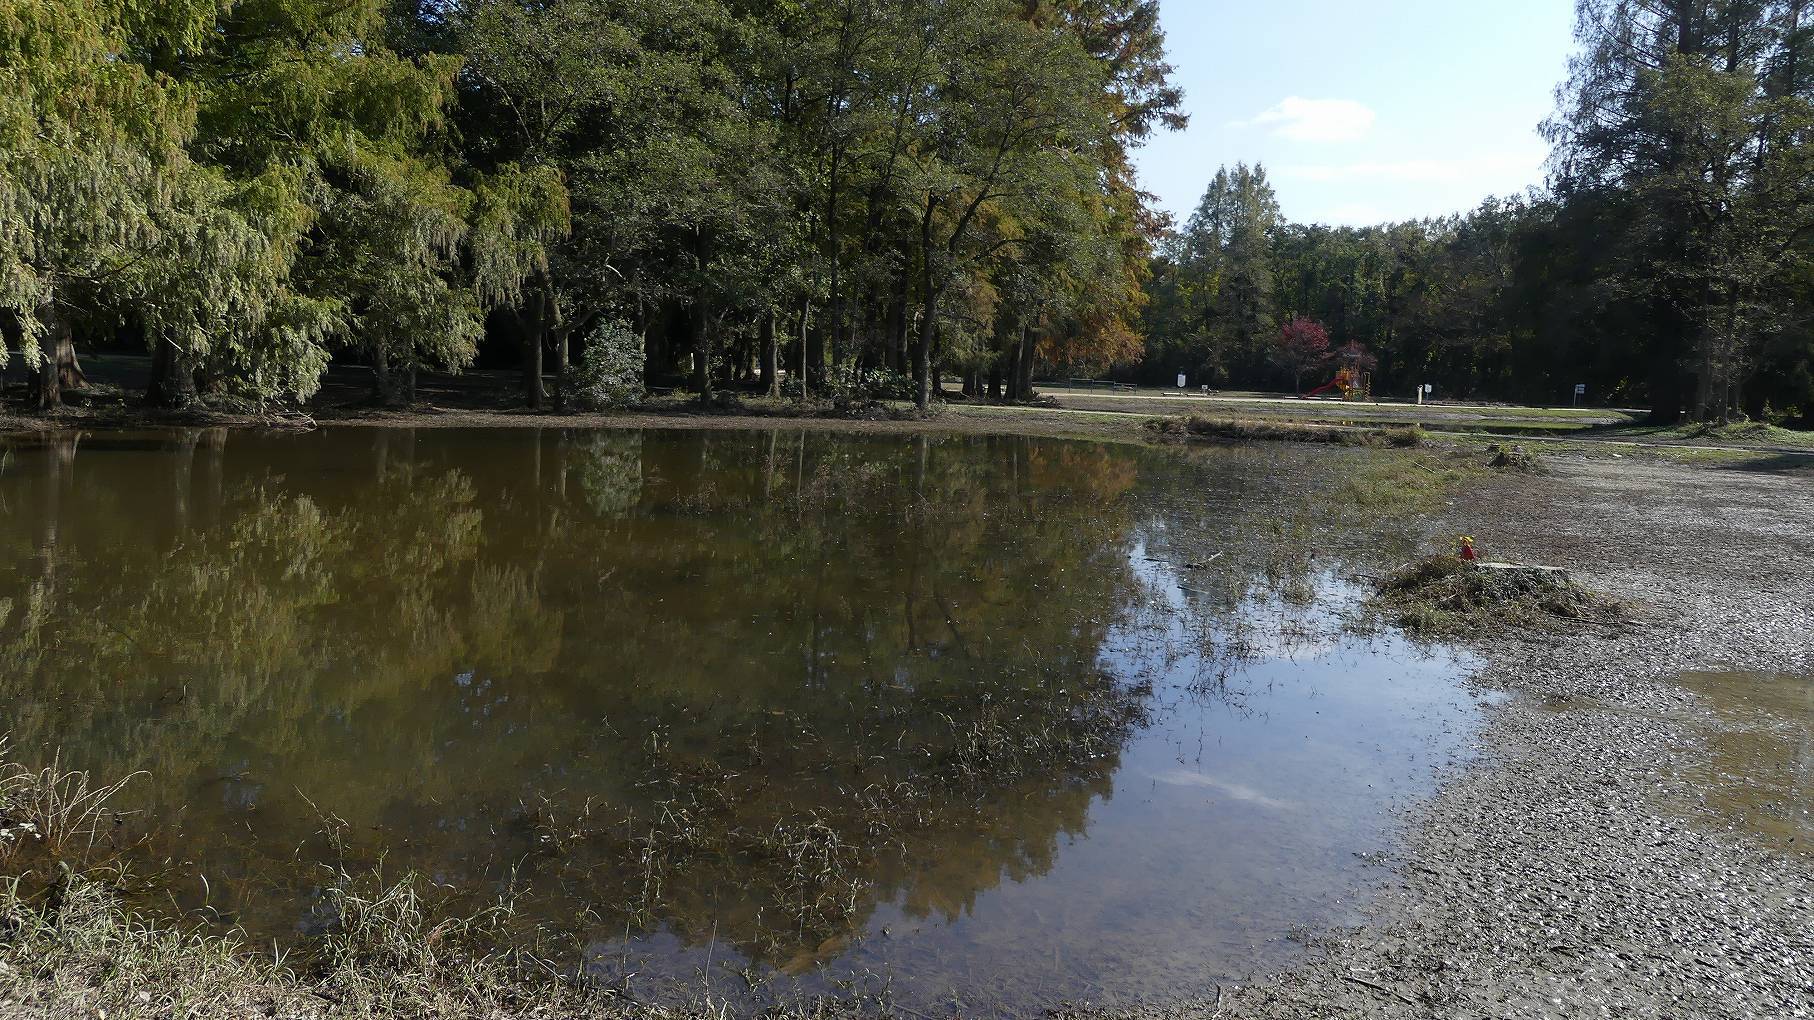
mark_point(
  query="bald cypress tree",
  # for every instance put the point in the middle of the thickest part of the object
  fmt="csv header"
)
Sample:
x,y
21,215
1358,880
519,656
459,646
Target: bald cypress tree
x,y
103,211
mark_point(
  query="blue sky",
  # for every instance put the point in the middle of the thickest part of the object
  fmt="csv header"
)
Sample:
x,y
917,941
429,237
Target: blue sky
x,y
1362,112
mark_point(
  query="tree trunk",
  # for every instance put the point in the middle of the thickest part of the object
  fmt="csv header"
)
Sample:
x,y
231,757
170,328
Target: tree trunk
x,y
1015,393
836,322
922,353
563,340
995,379
59,352
69,369
702,353
806,321
172,379
815,351
383,385
535,338
768,378
1023,372
897,327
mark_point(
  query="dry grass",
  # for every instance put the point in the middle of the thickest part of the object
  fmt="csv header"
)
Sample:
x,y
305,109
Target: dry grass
x,y
1514,458
1444,595
1254,430
71,945
53,809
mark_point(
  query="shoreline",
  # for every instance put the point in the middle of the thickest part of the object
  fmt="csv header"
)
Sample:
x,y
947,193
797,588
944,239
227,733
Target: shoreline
x,y
1569,870
957,418
1517,890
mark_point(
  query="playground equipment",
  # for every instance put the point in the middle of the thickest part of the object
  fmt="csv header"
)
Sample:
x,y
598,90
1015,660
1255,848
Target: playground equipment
x,y
1352,384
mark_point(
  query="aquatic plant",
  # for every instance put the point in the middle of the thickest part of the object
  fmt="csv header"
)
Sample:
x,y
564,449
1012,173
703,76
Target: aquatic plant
x,y
55,809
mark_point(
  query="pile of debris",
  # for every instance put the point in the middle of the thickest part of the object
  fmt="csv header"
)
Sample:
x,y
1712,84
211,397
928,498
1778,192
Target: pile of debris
x,y
1451,595
1513,458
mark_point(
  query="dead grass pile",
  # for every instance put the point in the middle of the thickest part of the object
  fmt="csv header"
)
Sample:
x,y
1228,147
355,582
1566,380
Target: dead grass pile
x,y
1447,595
1514,458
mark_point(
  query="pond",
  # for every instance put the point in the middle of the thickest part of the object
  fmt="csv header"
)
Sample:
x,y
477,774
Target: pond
x,y
1758,774
981,723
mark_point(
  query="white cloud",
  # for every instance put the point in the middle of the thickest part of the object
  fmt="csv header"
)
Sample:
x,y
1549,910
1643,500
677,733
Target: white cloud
x,y
1233,791
1315,120
1493,171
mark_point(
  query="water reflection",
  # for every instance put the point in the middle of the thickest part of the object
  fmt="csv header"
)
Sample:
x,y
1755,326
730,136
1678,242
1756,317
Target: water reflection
x,y
1011,719
1759,775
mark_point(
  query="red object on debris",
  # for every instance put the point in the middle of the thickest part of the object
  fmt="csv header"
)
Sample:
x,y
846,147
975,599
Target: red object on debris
x,y
1467,549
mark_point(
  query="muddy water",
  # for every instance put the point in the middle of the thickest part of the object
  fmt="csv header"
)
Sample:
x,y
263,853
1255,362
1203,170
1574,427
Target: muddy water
x,y
1758,775
983,723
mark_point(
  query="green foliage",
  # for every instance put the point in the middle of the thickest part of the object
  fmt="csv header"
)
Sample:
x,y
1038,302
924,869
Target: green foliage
x,y
256,186
1669,264
609,374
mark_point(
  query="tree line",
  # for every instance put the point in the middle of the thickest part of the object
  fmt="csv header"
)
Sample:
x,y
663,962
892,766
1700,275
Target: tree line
x,y
871,195
811,188
1667,264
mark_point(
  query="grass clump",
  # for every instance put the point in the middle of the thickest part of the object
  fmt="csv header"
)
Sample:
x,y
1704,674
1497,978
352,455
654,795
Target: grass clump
x,y
1253,430
78,950
52,810
1445,595
1514,458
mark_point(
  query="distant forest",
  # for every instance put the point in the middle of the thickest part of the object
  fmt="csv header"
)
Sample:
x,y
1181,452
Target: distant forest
x,y
1667,264
833,197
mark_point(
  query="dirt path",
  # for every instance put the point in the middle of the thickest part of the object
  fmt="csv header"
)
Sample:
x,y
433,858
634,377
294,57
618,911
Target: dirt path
x,y
1575,871
965,419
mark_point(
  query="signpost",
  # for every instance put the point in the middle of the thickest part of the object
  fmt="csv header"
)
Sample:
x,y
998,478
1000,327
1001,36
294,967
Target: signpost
x,y
1580,391
1181,380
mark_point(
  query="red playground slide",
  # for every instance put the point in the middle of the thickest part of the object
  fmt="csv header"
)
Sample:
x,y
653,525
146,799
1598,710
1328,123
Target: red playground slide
x,y
1344,381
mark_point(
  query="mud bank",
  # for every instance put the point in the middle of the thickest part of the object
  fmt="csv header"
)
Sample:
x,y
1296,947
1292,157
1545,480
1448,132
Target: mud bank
x,y
1579,868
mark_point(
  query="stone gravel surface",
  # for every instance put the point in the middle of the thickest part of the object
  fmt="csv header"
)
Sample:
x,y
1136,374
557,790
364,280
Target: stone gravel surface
x,y
1571,871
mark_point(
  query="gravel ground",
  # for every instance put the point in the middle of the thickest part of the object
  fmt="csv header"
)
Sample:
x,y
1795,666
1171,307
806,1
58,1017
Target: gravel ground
x,y
1571,872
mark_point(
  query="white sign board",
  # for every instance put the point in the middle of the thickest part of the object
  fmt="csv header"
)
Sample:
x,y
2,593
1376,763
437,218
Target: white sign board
x,y
1580,389
1180,380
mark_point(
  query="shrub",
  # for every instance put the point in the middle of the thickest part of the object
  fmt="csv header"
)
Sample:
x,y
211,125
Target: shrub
x,y
1514,458
609,373
849,384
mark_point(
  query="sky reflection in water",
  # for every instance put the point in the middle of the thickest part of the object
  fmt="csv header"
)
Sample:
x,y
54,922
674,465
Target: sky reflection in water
x,y
998,721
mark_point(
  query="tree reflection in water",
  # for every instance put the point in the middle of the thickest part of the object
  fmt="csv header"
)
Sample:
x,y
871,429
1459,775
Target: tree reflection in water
x,y
759,690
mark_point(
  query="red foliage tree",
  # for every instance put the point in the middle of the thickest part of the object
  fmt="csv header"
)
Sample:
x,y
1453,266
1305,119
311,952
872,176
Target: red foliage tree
x,y
1303,346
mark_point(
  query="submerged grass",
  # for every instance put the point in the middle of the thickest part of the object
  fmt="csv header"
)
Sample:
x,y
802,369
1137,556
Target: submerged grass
x,y
71,946
52,809
74,940
77,950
